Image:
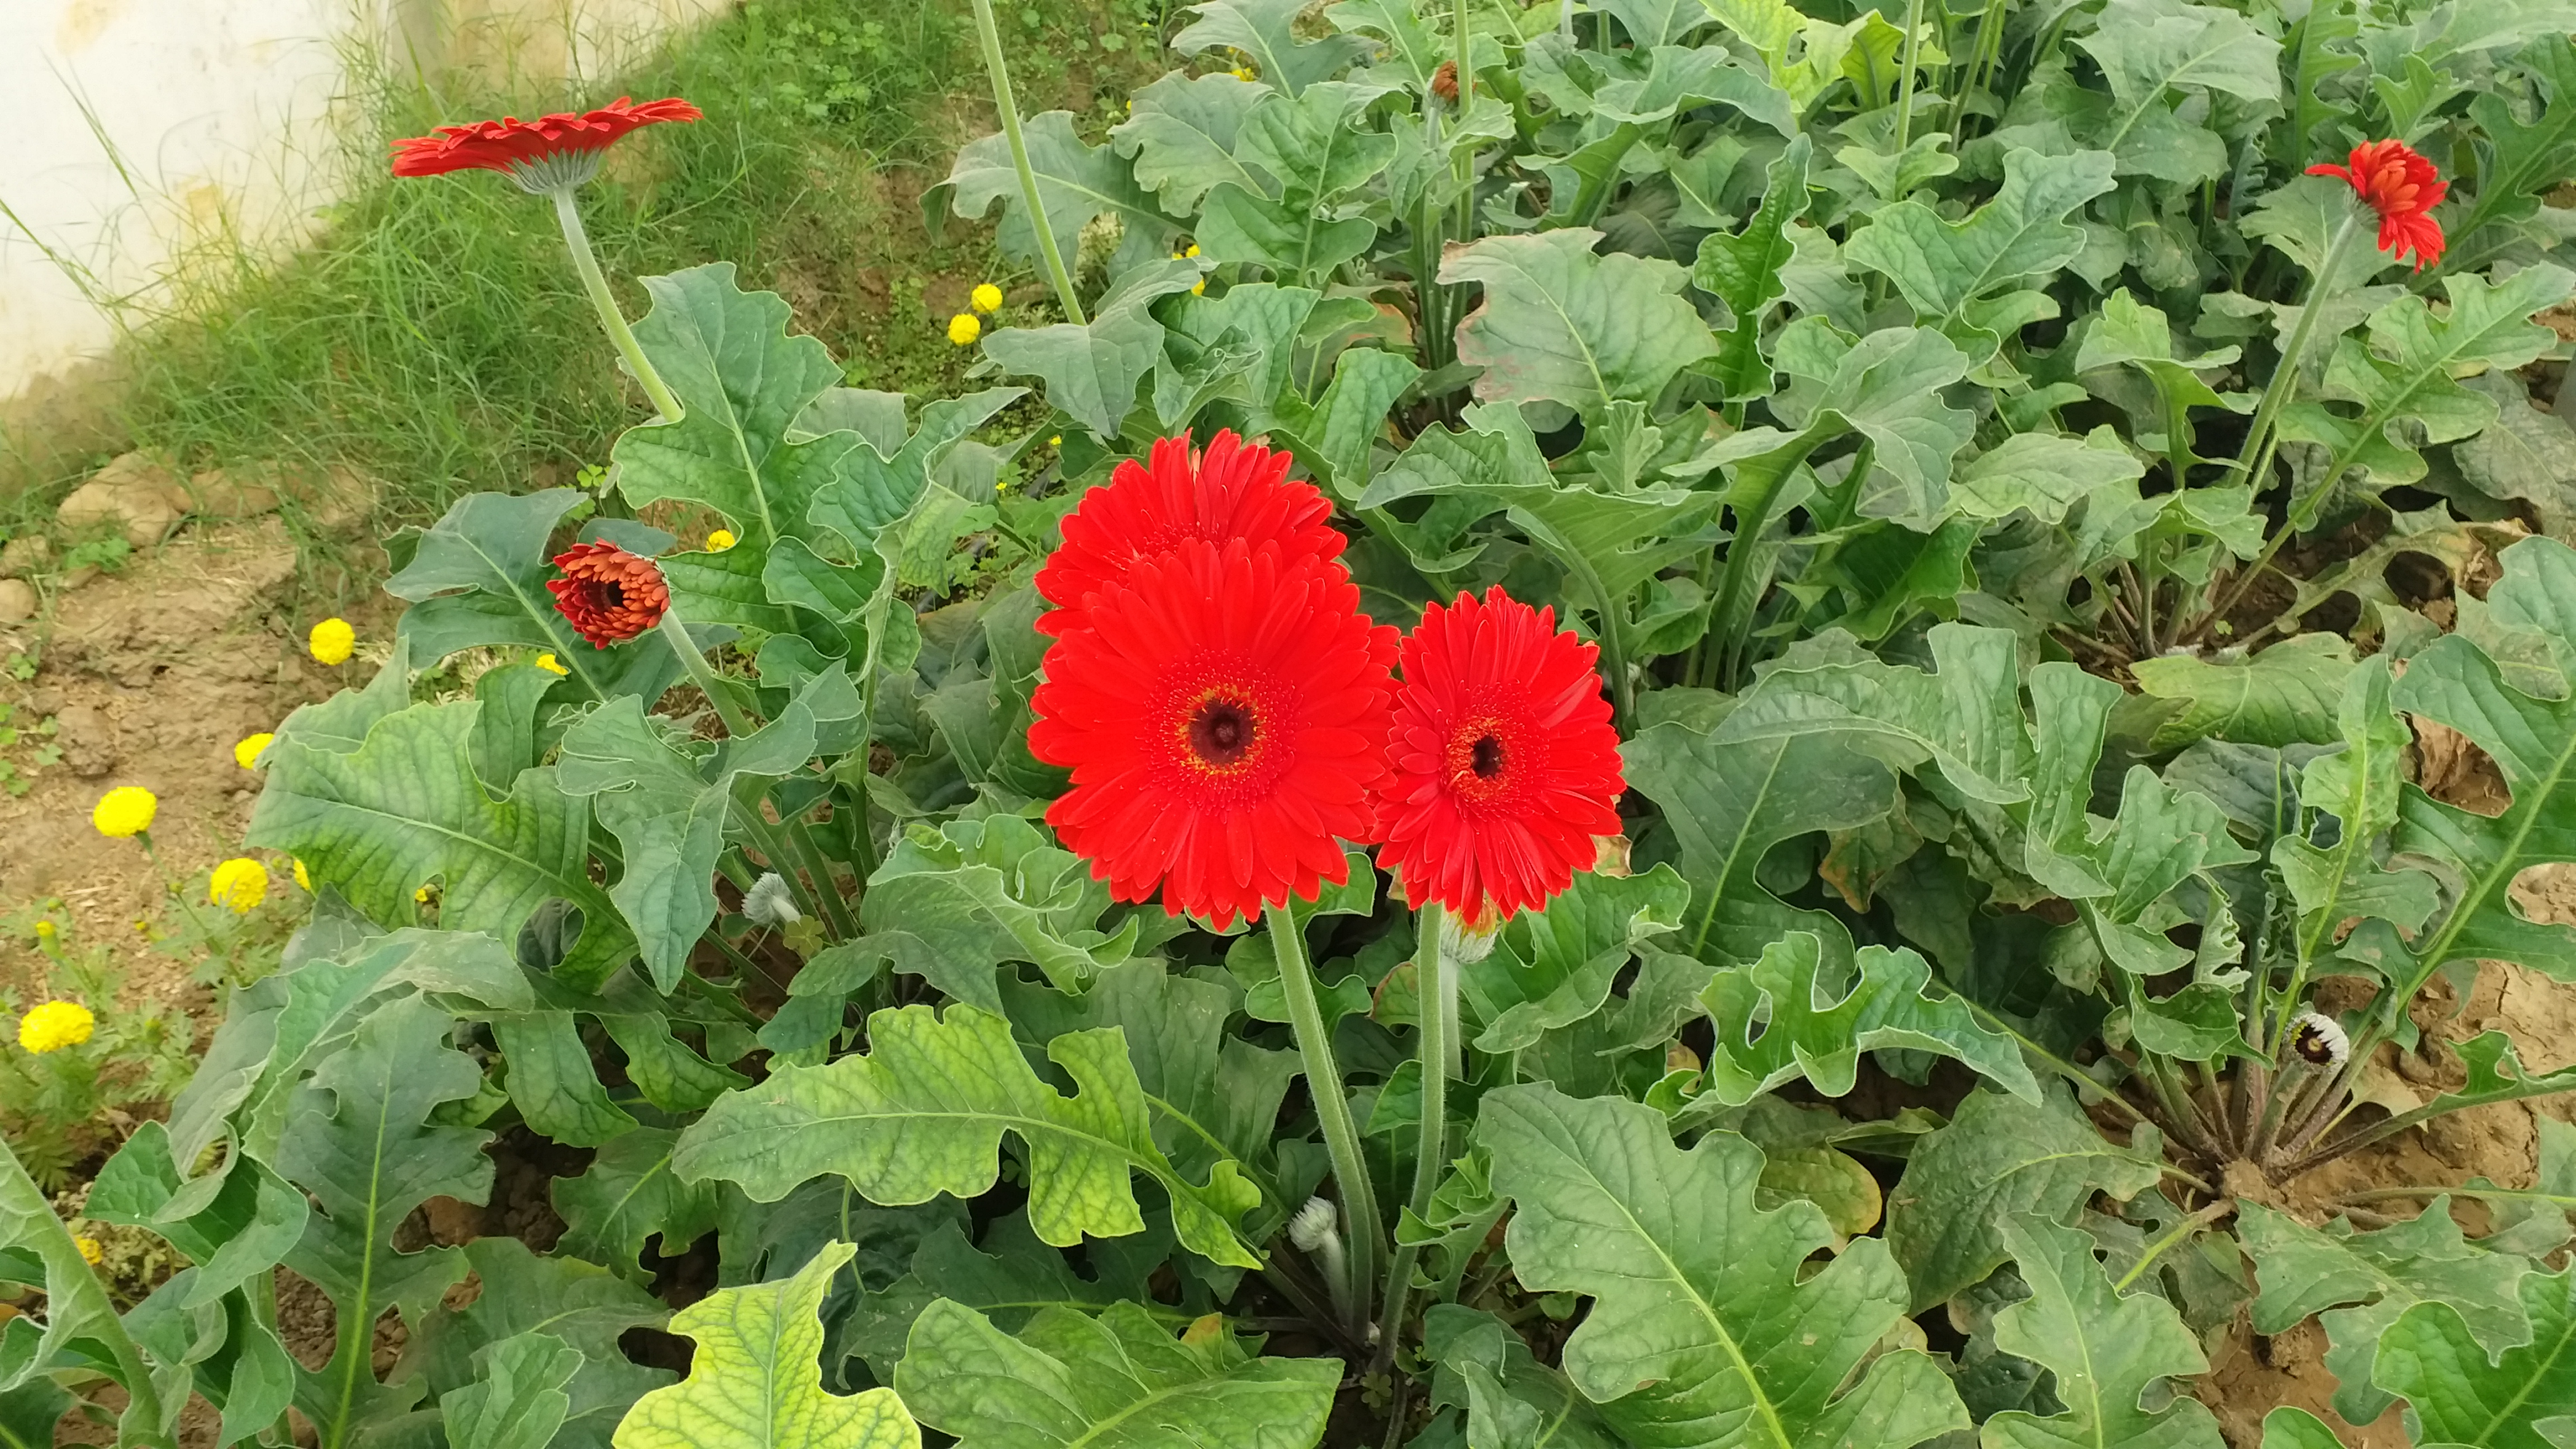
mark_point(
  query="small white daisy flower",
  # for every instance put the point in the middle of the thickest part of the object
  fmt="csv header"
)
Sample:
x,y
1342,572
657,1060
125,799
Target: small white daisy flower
x,y
767,902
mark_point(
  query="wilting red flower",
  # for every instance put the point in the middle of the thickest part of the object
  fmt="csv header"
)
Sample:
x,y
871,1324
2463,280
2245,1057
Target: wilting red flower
x,y
541,155
1444,82
2403,188
610,595
1505,764
1235,490
1224,713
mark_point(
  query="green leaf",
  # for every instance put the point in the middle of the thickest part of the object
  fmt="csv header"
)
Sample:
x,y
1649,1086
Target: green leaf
x,y
1743,270
253,1218
2359,1283
1077,184
1310,148
1262,29
755,1382
551,1081
1181,131
360,1140
1351,417
477,579
669,810
1116,1381
1703,1329
2517,160
2045,474
1214,1095
1008,1277
877,488
1562,323
1091,370
2150,48
1965,716
2525,454
1512,1400
1888,388
405,809
79,1329
950,903
1999,1158
2405,372
2286,695
2107,1348
1650,23
1554,967
585,1307
2360,786
1729,802
2018,237
2522,1399
1775,1023
628,1195
522,1401
923,1112
2290,1427
2533,743
742,381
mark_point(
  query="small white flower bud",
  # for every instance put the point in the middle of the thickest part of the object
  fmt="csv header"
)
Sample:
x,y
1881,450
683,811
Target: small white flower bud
x,y
2317,1040
1314,1224
767,903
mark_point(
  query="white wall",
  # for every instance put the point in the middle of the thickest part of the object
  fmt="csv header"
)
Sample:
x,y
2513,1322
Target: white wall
x,y
208,125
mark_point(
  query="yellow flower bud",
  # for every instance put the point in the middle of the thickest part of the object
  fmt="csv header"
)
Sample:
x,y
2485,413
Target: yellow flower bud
x,y
246,754
89,1249
332,640
303,879
125,810
720,540
963,329
550,664
986,298
54,1026
238,884
47,930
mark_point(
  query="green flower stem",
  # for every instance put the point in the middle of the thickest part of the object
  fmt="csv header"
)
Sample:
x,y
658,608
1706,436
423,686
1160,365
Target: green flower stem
x,y
1433,978
27,1217
798,847
1905,76
604,302
2254,460
996,67
1464,164
1364,1235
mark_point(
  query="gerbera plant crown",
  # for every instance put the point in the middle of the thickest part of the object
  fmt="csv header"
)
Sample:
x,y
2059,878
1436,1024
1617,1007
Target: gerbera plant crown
x,y
1623,725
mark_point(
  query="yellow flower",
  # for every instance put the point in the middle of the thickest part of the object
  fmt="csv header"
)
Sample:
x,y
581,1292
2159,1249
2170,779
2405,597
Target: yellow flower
x,y
1193,251
239,883
246,754
89,1249
987,298
125,810
54,1026
303,880
46,929
1199,287
1056,442
1244,73
550,664
331,641
424,895
720,540
963,329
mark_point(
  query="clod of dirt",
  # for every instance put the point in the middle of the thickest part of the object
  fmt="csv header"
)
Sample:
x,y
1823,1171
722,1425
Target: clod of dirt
x,y
17,601
2253,1374
216,494
25,555
88,740
133,493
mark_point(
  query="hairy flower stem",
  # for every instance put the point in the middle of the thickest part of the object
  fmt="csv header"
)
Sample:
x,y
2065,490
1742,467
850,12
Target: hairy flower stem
x,y
823,900
1435,986
997,68
2254,460
604,302
1332,1109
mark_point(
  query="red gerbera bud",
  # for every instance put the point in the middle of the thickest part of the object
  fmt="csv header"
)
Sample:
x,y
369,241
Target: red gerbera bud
x,y
1223,712
545,154
1506,765
1235,490
610,595
2403,188
1444,82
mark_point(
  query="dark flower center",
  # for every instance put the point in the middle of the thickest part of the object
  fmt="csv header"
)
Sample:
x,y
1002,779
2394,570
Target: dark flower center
x,y
2311,1045
1485,757
609,594
1221,731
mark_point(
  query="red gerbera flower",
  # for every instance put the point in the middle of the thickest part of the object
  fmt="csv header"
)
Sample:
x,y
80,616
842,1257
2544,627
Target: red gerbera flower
x,y
610,595
1223,713
1506,766
545,154
1233,490
2403,188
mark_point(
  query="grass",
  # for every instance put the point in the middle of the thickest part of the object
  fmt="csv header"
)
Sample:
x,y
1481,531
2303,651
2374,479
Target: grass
x,y
434,338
